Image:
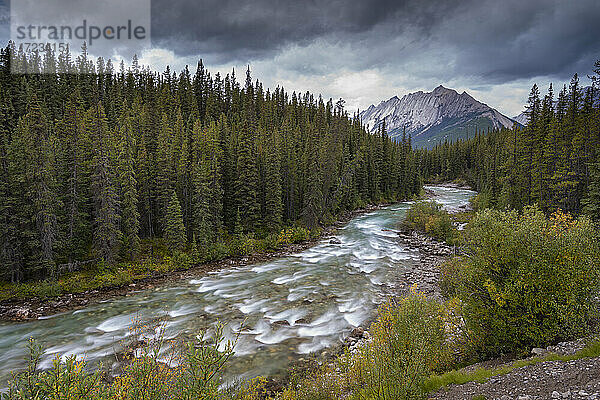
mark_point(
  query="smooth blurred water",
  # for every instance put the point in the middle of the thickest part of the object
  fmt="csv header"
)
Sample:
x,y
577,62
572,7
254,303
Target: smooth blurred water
x,y
294,305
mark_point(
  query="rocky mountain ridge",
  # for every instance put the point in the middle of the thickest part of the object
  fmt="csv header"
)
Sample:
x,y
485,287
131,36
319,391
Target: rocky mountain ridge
x,y
432,117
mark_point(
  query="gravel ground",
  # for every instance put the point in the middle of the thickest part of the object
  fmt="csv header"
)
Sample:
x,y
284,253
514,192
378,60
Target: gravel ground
x,y
425,274
577,379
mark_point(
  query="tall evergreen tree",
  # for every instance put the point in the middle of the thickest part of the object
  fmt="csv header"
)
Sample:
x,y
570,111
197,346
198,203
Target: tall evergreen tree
x,y
130,224
273,202
174,229
208,194
106,214
40,180
247,174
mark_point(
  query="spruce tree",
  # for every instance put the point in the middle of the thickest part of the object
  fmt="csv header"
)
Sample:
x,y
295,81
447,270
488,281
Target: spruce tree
x,y
11,257
206,181
106,215
247,172
130,224
273,204
41,186
164,164
174,229
312,207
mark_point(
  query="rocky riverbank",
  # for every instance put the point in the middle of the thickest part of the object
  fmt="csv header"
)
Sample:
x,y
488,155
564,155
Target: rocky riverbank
x,y
425,274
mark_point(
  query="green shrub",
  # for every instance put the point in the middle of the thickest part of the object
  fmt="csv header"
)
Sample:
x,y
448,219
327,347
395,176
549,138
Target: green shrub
x,y
429,217
218,251
297,234
270,242
181,260
64,380
526,281
323,385
148,376
246,245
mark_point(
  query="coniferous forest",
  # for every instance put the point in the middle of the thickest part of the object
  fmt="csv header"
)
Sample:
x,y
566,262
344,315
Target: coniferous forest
x,y
95,159
554,161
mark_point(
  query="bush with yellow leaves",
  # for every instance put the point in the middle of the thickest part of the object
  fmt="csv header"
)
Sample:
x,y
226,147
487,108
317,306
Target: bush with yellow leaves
x,y
192,372
291,235
408,343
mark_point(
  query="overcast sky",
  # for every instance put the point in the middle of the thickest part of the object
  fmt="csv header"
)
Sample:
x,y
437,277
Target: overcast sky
x,y
366,52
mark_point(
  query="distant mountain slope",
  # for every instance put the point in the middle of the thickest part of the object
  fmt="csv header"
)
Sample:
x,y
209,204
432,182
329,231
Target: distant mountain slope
x,y
521,118
432,117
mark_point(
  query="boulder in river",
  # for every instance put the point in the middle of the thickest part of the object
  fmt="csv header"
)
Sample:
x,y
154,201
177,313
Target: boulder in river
x,y
357,332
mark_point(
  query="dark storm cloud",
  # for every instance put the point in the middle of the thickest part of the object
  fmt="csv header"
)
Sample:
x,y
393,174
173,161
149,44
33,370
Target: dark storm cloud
x,y
234,30
4,22
493,40
476,41
510,40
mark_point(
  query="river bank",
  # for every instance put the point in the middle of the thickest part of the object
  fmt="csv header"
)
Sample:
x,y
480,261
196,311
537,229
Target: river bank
x,y
566,370
423,275
19,310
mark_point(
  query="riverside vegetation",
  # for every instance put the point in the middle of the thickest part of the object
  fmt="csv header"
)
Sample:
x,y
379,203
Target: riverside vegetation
x,y
429,217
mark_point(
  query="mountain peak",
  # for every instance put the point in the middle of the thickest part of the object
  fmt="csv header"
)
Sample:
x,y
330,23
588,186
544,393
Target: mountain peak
x,y
441,89
432,117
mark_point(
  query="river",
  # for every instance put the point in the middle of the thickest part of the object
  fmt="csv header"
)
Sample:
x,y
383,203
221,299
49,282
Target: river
x,y
294,305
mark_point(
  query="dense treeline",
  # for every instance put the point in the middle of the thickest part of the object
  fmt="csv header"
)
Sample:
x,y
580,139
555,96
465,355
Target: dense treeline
x,y
94,160
553,161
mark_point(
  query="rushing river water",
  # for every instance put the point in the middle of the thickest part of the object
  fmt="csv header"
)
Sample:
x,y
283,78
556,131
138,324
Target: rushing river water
x,y
293,305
